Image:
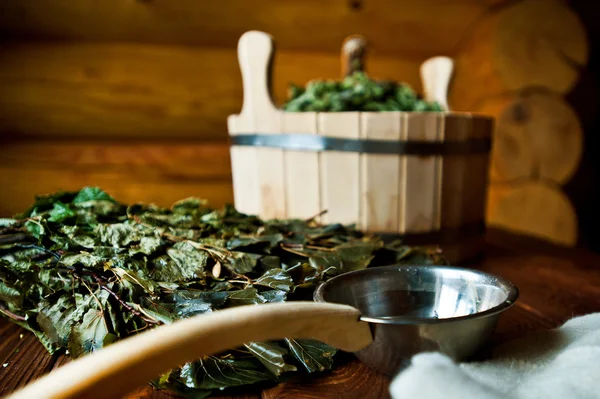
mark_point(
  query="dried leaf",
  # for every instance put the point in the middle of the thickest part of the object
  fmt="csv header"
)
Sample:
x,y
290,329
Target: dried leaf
x,y
56,320
91,335
271,355
241,262
84,270
191,303
118,234
60,212
147,246
313,355
247,296
133,277
261,243
215,373
35,228
91,194
276,278
274,296
85,259
10,296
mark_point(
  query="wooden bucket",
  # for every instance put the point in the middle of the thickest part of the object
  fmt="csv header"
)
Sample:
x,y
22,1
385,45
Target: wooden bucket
x,y
419,176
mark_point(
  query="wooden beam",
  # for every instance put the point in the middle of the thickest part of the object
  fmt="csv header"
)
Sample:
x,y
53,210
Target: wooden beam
x,y
99,90
427,27
161,173
522,44
533,208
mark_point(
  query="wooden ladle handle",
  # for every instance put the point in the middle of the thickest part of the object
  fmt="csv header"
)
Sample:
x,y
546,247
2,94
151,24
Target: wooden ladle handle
x,y
128,364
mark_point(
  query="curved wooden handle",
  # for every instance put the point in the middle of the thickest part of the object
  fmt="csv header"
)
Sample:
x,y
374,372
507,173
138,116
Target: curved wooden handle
x,y
128,364
435,77
255,56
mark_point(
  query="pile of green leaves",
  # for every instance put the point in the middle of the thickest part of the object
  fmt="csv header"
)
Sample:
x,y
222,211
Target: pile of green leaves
x,y
356,92
81,270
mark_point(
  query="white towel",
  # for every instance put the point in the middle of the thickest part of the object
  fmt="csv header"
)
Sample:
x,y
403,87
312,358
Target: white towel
x,y
561,363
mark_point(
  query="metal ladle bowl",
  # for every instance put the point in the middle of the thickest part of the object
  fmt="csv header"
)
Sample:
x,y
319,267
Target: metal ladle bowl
x,y
413,309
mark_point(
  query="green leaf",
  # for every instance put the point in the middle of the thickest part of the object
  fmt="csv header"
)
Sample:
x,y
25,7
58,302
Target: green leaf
x,y
11,296
275,278
57,319
274,296
89,212
191,303
191,206
271,355
44,203
163,312
78,236
134,277
147,246
222,286
35,228
241,262
91,335
16,266
325,261
60,212
247,296
107,252
86,259
84,241
357,256
118,234
91,194
269,262
313,355
184,262
215,373
264,243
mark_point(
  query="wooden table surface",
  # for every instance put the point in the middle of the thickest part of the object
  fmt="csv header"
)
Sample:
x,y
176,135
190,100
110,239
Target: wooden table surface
x,y
555,284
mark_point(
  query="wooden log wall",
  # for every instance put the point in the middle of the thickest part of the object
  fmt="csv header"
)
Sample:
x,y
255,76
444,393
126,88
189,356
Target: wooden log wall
x,y
134,95
517,64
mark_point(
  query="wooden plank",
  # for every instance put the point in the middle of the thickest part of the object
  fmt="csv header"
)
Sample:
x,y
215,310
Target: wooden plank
x,y
148,392
259,115
556,288
464,185
28,363
146,172
421,176
456,188
380,175
438,24
351,380
302,189
99,90
340,171
244,172
171,160
534,208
